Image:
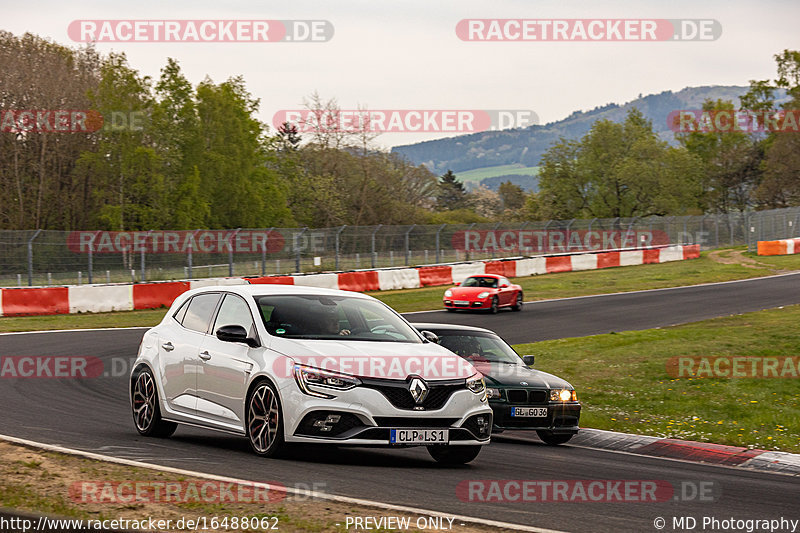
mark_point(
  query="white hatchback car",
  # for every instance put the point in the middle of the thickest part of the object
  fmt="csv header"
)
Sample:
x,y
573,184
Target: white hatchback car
x,y
281,364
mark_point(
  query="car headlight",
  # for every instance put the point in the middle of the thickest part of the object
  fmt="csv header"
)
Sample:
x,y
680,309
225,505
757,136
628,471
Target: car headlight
x,y
476,384
448,293
308,378
484,294
493,393
563,395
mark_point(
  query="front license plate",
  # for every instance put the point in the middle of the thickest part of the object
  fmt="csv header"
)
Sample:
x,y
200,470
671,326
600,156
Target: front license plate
x,y
419,436
461,302
529,412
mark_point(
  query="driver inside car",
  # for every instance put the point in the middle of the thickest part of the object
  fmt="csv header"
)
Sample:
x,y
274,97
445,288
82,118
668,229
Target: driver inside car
x,y
466,347
329,323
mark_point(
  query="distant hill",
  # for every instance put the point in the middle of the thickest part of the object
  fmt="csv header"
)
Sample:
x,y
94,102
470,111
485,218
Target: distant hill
x,y
523,147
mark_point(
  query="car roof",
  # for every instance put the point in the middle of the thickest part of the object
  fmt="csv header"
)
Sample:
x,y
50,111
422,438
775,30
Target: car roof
x,y
267,289
451,327
496,276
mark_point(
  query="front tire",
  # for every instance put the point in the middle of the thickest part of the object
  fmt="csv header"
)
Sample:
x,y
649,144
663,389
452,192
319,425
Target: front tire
x,y
454,455
518,303
264,420
495,306
553,439
146,410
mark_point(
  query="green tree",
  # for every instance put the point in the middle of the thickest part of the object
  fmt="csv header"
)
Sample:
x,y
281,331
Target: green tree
x,y
451,193
617,170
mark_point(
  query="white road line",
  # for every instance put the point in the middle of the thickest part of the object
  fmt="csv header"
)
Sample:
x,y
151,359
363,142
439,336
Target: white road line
x,y
71,330
290,490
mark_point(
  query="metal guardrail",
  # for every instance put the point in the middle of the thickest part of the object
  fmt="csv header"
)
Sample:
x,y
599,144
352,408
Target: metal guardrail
x,y
43,257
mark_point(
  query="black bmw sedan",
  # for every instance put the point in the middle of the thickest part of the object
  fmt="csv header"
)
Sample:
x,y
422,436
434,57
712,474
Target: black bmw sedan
x,y
521,397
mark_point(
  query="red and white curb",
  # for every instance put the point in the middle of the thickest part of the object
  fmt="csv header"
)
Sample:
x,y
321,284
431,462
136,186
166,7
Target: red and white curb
x,y
684,450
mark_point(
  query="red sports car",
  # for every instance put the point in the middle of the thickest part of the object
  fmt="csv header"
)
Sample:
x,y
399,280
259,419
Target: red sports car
x,y
486,291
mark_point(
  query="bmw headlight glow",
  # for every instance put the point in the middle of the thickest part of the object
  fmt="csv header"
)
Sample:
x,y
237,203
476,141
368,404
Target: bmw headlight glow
x,y
563,395
476,384
309,378
484,294
448,293
493,393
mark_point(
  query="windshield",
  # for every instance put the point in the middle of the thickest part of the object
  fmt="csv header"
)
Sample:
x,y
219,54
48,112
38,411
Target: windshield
x,y
480,281
478,347
333,317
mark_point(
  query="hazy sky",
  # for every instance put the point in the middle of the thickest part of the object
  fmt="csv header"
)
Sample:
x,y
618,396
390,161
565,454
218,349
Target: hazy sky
x,y
389,54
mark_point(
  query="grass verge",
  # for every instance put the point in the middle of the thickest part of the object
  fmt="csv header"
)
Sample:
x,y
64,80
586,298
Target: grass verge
x,y
45,482
623,383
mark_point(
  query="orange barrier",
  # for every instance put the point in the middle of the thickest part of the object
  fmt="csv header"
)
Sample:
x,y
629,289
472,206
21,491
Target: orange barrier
x,y
691,251
502,268
44,301
359,281
272,280
154,295
772,247
650,257
559,263
608,259
435,275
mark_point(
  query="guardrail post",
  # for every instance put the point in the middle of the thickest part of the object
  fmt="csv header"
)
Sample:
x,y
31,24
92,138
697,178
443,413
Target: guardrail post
x,y
374,253
30,257
297,249
144,247
91,253
438,249
264,252
230,252
408,251
337,244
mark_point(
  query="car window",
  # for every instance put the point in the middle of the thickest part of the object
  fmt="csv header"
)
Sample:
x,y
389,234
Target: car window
x,y
180,313
234,312
333,317
480,281
478,347
199,312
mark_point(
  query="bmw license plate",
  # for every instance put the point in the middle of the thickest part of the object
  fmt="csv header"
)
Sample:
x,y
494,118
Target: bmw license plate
x,y
529,412
419,436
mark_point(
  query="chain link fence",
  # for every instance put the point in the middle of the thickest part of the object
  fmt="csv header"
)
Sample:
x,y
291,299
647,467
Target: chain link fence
x,y
38,257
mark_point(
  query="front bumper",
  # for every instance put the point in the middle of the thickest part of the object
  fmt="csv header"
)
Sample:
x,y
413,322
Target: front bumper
x,y
473,304
562,417
364,416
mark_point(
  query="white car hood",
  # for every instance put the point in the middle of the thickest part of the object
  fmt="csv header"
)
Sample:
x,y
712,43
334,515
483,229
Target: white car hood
x,y
388,360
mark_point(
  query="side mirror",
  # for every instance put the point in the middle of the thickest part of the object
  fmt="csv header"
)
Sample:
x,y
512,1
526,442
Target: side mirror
x,y
458,283
430,336
235,334
528,360
504,286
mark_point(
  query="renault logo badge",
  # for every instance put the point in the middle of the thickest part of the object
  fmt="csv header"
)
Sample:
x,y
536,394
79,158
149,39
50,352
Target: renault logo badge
x,y
418,390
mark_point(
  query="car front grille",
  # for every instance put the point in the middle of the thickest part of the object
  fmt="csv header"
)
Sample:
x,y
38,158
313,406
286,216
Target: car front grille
x,y
398,394
526,396
403,422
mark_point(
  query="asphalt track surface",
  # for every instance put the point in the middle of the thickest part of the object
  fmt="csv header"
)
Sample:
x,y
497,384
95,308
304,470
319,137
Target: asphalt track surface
x,y
94,415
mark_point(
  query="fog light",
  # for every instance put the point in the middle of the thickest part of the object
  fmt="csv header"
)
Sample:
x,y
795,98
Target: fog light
x,y
323,424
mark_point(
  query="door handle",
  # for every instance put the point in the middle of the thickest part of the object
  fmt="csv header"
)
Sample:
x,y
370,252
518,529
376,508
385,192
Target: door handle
x,y
168,346
205,356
